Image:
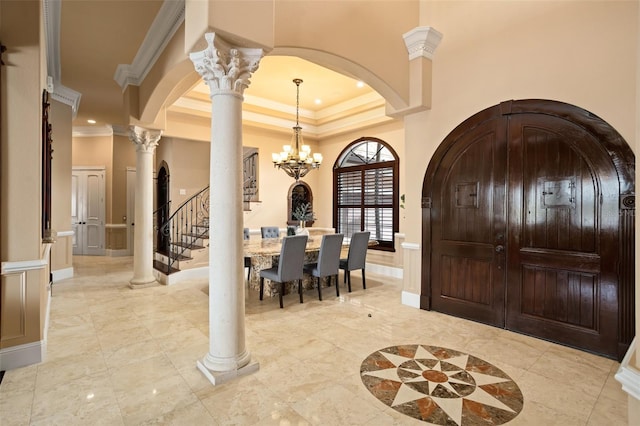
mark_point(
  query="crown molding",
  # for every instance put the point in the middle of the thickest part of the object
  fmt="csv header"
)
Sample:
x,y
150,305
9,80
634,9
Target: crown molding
x,y
422,42
164,26
67,96
91,131
51,10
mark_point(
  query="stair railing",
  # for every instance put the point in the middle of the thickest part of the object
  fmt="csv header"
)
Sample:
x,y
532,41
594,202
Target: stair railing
x,y
177,234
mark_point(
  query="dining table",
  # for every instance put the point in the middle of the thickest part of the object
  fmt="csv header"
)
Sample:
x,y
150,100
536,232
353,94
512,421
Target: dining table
x,y
265,253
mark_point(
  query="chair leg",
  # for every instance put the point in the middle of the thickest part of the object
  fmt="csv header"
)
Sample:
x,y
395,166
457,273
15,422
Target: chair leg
x,y
345,276
261,287
337,286
281,293
364,282
248,273
349,280
320,288
300,289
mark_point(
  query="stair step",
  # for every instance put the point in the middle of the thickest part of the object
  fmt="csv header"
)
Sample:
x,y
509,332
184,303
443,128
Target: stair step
x,y
197,235
173,255
163,267
188,246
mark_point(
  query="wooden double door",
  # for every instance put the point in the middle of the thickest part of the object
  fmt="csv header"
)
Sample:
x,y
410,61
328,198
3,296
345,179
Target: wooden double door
x,y
524,225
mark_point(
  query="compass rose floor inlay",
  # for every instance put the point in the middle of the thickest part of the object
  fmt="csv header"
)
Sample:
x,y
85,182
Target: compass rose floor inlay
x,y
441,386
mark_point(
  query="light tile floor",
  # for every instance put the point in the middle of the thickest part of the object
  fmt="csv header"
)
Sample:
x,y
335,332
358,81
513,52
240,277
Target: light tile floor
x,y
120,356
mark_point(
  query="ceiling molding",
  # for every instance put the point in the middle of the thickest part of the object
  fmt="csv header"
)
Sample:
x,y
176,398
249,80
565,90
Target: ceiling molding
x,y
51,11
167,21
91,131
67,96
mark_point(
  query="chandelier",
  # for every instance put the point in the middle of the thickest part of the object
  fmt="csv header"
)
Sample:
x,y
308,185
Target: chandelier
x,y
296,159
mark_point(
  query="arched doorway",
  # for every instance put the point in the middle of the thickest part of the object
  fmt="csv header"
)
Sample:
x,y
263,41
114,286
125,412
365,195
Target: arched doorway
x,y
528,225
163,199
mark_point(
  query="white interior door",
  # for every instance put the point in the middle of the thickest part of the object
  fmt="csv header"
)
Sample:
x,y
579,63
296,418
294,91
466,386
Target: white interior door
x,y
88,211
131,207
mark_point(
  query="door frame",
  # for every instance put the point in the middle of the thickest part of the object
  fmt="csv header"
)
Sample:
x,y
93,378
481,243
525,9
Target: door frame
x,y
99,220
620,155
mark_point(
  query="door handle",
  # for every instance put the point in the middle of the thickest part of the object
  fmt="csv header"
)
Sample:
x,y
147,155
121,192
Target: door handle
x,y
499,248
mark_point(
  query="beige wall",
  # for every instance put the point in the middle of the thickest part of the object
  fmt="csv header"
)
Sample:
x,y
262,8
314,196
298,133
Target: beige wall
x,y
96,151
582,53
24,290
21,118
124,156
61,114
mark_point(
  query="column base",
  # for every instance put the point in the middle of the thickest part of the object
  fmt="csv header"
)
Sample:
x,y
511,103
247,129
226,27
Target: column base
x,y
143,282
220,377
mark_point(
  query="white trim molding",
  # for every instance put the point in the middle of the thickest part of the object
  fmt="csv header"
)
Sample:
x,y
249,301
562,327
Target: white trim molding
x,y
628,375
422,42
411,299
22,355
27,265
62,274
167,21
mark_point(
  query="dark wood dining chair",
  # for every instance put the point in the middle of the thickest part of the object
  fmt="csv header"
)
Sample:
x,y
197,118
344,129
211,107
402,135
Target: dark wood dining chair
x,y
328,261
270,232
247,260
290,265
356,258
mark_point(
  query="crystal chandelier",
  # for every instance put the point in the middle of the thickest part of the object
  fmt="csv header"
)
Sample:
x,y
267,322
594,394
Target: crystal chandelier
x,y
296,159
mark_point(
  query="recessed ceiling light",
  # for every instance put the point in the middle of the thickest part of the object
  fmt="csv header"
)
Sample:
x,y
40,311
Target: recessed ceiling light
x,y
360,84
91,121
318,101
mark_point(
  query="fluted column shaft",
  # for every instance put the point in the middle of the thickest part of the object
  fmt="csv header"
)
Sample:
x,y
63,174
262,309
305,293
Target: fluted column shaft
x,y
146,142
226,70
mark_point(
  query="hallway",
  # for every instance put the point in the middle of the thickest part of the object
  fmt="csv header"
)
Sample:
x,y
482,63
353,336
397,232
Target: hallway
x,y
121,356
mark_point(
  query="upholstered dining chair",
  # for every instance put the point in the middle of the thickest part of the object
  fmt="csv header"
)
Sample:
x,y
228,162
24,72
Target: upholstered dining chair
x,y
247,260
356,258
328,261
290,265
270,232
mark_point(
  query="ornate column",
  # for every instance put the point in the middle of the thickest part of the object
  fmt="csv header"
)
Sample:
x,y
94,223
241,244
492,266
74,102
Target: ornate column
x,y
146,142
226,70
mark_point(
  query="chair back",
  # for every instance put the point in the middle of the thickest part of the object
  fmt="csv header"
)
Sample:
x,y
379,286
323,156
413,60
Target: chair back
x,y
329,256
291,263
358,250
246,233
270,232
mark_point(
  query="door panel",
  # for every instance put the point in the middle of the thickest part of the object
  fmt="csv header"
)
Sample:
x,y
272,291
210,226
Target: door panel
x,y
523,228
468,221
94,223
557,273
88,212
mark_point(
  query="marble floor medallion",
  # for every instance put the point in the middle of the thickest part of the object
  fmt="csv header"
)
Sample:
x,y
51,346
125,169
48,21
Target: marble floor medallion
x,y
441,386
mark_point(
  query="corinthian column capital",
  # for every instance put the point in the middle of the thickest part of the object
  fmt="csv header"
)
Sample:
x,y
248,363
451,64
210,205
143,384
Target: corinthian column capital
x,y
225,68
145,140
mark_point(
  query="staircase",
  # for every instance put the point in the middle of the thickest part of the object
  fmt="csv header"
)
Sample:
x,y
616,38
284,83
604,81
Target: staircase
x,y
181,241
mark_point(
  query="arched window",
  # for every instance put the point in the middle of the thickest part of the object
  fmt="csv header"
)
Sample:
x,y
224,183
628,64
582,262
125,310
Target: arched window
x,y
365,191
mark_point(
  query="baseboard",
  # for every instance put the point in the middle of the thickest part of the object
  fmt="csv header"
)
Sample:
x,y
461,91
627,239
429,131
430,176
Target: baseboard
x,y
118,253
21,355
628,375
411,299
389,271
62,274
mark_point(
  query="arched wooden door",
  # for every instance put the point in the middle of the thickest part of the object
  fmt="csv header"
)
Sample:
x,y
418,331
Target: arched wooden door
x,y
524,226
